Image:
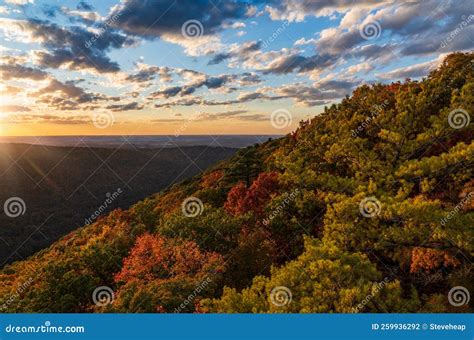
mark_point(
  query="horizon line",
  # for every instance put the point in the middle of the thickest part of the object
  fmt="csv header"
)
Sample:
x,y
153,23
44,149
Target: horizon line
x,y
144,135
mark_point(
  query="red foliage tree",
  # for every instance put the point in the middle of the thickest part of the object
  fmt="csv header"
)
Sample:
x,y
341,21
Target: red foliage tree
x,y
241,200
235,199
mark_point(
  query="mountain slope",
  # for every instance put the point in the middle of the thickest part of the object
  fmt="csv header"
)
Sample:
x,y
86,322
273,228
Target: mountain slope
x,y
368,207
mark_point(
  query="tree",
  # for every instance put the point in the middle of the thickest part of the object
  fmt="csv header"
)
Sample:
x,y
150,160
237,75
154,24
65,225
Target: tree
x,y
323,279
245,167
241,200
161,274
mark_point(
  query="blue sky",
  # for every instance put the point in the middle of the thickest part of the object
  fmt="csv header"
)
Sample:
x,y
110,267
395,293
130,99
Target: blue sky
x,y
216,67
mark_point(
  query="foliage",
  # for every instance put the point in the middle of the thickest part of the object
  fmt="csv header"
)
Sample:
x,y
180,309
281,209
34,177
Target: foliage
x,y
293,213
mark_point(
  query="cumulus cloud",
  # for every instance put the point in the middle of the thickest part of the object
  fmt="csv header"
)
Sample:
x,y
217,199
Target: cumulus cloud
x,y
87,16
303,41
412,71
296,62
155,18
166,19
19,2
321,93
199,80
125,107
360,68
68,96
299,10
417,34
72,47
242,52
16,71
147,73
83,38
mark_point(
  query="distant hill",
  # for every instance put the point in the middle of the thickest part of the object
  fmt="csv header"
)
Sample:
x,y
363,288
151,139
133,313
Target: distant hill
x,y
367,207
63,186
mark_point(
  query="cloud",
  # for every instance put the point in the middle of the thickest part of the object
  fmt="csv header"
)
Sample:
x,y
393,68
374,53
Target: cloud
x,y
146,73
125,107
19,2
242,52
235,25
297,10
199,80
321,93
362,67
47,119
413,71
299,63
303,41
168,19
10,90
413,33
86,16
72,47
235,115
68,96
155,18
84,6
16,71
14,108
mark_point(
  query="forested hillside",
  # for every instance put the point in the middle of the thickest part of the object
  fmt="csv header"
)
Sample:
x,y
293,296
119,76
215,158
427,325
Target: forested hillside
x,y
368,207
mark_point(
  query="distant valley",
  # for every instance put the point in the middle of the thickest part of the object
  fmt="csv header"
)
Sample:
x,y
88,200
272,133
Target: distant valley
x,y
62,187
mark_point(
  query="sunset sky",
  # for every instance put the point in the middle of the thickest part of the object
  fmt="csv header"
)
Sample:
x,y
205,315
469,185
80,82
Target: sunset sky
x,y
208,67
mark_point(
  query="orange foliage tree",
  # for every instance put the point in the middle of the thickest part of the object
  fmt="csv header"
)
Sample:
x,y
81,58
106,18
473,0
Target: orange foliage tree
x,y
159,258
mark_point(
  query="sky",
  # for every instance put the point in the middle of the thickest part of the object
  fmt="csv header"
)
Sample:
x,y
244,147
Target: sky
x,y
183,67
